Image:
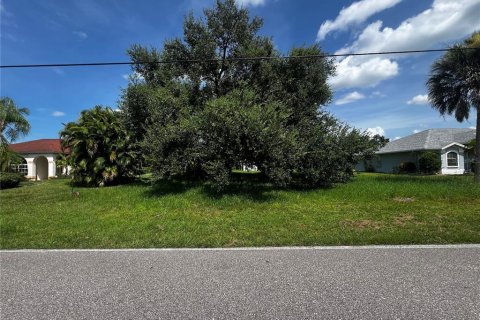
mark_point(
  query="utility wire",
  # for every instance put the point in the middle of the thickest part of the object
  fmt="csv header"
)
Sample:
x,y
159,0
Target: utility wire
x,y
333,55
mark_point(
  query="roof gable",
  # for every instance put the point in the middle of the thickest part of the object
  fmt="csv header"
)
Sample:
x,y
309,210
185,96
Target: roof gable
x,y
431,139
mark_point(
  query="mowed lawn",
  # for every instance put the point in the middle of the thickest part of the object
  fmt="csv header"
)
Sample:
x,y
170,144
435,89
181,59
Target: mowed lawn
x,y
372,209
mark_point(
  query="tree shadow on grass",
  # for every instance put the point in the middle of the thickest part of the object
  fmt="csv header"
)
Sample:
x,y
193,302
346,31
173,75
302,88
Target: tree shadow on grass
x,y
169,187
251,187
250,191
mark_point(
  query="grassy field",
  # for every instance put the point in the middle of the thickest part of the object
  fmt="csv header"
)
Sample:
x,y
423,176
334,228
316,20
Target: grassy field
x,y
372,209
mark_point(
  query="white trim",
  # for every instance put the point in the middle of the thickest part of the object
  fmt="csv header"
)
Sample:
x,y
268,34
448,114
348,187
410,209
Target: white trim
x,y
458,158
372,247
454,144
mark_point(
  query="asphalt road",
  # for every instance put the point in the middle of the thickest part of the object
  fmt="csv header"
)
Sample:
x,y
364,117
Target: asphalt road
x,y
421,282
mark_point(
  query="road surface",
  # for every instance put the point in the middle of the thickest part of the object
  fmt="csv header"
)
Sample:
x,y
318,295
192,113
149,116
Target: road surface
x,y
385,282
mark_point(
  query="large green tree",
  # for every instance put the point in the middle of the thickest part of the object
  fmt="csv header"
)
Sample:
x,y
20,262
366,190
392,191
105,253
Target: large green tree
x,y
13,124
454,86
212,107
101,150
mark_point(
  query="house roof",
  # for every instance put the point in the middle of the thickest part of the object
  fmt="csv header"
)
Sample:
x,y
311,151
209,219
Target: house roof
x,y
431,139
38,146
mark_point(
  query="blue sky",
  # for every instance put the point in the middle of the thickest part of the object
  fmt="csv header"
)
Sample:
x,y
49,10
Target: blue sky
x,y
383,94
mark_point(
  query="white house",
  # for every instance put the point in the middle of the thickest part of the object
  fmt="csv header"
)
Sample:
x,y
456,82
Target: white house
x,y
449,143
39,158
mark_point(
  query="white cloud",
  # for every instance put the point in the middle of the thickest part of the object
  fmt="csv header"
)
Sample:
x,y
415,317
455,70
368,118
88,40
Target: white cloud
x,y
58,71
359,72
58,113
444,22
354,14
374,131
472,127
4,11
80,34
252,3
419,99
378,94
133,76
396,138
349,98
416,131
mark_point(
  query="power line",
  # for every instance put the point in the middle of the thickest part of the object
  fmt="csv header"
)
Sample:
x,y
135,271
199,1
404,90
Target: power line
x,y
333,55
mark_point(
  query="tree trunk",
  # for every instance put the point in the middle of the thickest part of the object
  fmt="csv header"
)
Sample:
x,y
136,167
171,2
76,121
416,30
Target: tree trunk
x,y
477,148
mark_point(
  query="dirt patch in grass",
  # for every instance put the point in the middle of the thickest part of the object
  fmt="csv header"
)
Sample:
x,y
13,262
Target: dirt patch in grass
x,y
403,199
362,224
406,219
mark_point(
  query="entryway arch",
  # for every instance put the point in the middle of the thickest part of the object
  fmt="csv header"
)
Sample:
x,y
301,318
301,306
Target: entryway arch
x,y
41,164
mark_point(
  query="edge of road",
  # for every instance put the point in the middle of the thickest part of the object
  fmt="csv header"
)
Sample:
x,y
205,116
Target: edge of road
x,y
361,247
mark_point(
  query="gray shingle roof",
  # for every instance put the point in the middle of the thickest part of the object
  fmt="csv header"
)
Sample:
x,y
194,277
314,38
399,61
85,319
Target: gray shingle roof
x,y
431,139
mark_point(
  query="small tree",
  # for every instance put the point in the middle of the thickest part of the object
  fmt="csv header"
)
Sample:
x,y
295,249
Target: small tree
x,y
429,162
101,151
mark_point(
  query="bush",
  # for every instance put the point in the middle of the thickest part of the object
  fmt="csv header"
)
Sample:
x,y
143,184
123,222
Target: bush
x,y
429,162
407,167
10,180
101,151
368,166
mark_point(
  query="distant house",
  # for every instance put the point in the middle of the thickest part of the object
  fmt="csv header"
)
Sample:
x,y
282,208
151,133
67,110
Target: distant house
x,y
449,143
39,158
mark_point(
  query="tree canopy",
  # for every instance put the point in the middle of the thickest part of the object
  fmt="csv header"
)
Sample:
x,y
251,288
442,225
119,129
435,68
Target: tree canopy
x,y
454,85
207,111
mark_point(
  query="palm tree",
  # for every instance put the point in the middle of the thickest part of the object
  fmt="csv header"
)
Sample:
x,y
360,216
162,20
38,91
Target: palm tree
x,y
13,124
454,86
101,151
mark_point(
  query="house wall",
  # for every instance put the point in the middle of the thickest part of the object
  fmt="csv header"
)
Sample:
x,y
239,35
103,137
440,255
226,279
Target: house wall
x,y
32,167
461,160
385,162
390,160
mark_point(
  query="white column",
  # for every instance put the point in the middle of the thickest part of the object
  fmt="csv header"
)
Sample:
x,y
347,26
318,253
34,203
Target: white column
x,y
32,172
52,169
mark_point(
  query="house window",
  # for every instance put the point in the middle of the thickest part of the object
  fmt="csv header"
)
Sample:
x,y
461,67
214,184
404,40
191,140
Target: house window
x,y
20,168
452,159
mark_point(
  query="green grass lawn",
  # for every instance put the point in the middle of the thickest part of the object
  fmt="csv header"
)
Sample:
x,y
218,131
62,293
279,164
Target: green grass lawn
x,y
372,209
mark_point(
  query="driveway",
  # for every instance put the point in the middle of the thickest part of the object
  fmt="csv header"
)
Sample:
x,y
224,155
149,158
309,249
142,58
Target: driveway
x,y
379,282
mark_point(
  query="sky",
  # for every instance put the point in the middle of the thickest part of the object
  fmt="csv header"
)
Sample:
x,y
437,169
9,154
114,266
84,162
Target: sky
x,y
380,94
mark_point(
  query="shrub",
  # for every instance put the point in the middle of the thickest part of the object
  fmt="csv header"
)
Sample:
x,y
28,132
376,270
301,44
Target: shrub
x,y
101,151
429,162
368,166
10,180
407,167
